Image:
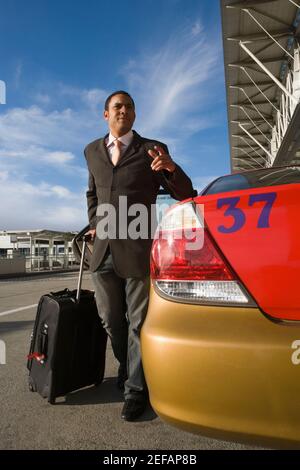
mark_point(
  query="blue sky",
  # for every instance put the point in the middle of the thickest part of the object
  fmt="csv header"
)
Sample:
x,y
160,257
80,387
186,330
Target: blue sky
x,y
60,59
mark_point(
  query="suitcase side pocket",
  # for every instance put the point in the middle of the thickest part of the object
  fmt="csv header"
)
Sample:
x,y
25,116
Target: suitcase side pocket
x,y
34,334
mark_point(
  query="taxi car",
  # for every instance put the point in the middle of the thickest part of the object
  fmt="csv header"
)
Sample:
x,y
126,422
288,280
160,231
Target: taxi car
x,y
221,340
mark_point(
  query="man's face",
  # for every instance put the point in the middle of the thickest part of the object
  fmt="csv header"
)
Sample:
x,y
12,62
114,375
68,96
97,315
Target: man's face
x,y
120,115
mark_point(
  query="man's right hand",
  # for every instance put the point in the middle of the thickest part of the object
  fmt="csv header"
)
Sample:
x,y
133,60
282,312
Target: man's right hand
x,y
91,233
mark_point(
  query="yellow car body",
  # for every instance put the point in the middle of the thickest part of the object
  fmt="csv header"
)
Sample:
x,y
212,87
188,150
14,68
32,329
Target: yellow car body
x,y
221,340
228,372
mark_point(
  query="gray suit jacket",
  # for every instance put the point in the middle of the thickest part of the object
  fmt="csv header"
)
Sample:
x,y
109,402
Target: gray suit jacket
x,y
134,178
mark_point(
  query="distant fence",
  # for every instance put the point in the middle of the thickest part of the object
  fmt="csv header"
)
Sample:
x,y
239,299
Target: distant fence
x,y
39,263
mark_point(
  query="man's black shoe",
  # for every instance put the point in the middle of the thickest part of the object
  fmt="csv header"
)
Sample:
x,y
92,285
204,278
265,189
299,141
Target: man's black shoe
x,y
132,409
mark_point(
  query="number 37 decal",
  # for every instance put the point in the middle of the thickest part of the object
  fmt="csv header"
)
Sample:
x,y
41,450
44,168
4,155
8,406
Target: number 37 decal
x,y
239,216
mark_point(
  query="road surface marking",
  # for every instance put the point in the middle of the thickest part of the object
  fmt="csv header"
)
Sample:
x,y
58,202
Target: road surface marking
x,y
18,309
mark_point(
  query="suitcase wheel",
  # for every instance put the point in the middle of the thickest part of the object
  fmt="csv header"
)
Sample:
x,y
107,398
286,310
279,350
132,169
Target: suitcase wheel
x,y
51,401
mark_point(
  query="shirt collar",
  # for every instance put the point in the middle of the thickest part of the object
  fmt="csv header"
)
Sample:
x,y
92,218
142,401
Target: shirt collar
x,y
125,139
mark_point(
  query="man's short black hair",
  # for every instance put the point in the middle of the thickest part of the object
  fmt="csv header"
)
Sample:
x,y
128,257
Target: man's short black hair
x,y
118,92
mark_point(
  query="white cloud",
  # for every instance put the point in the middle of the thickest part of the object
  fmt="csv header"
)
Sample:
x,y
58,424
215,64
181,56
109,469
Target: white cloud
x,y
37,154
24,127
3,175
197,28
91,99
42,98
36,145
174,84
33,138
75,118
62,192
29,206
94,99
61,158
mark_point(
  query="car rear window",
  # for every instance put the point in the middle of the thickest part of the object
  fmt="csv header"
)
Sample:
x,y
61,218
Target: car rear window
x,y
255,179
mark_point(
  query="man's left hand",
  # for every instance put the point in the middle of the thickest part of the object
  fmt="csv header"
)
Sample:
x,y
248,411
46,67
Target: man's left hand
x,y
161,160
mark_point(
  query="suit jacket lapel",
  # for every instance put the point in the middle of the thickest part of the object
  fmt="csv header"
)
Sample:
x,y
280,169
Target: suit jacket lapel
x,y
132,148
102,151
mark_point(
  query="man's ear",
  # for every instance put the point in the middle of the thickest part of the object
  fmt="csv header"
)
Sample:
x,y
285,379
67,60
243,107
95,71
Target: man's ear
x,y
105,114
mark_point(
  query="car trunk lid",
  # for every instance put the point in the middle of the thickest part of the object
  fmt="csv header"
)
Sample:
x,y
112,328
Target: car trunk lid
x,y
258,232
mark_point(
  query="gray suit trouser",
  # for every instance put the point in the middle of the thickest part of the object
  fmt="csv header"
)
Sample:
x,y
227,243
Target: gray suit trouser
x,y
122,306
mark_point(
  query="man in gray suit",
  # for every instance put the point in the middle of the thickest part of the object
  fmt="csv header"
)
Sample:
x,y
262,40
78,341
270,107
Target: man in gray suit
x,y
123,166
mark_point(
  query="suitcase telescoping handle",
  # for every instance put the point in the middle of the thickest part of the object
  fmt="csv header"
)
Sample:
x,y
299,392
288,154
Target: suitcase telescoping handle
x,y
84,239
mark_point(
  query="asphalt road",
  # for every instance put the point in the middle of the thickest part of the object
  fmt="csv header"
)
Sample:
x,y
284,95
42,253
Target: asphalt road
x,y
86,419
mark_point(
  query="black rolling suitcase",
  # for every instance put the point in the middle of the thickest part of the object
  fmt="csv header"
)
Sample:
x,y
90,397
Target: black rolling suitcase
x,y
68,342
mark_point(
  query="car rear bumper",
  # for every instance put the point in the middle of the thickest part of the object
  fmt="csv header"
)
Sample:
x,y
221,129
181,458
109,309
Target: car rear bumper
x,y
222,369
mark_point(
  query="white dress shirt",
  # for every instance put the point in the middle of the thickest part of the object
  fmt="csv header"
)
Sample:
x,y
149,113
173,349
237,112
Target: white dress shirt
x,y
126,140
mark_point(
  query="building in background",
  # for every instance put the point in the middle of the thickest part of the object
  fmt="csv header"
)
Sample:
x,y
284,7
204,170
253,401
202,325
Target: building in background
x,y
262,71
35,250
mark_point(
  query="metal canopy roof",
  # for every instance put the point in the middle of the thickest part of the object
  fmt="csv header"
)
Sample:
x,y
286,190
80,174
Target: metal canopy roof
x,y
261,36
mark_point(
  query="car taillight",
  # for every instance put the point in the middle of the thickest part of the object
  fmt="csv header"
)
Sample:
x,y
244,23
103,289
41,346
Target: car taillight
x,y
186,264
